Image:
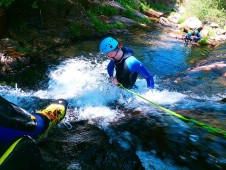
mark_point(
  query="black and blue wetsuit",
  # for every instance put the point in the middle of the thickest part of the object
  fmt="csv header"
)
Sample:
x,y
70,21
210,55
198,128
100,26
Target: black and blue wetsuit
x,y
19,129
16,122
187,38
197,38
9,134
128,68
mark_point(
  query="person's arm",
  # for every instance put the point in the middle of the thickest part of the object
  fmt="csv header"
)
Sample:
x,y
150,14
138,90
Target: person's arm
x,y
110,68
136,66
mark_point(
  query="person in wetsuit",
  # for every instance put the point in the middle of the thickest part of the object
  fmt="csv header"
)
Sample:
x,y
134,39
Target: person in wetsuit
x,y
197,36
187,37
127,67
20,129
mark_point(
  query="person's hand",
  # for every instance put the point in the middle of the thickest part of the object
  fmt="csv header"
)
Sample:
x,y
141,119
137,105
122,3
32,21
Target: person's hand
x,y
151,86
114,80
150,91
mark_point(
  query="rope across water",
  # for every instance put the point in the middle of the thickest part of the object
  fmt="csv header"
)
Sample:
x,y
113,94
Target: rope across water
x,y
201,124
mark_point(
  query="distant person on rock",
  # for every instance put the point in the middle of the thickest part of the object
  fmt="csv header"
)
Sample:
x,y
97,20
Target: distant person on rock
x,y
196,36
127,67
187,37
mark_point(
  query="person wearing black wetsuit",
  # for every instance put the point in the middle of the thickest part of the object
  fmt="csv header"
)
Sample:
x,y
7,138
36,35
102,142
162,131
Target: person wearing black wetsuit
x,y
127,67
197,36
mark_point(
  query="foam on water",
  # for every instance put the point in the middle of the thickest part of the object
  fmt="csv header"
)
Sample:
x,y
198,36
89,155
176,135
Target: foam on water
x,y
86,86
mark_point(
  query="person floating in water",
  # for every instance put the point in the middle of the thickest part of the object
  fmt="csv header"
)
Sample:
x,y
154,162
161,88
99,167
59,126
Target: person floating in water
x,y
126,65
19,131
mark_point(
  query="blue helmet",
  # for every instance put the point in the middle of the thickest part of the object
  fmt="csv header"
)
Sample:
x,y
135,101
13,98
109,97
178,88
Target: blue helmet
x,y
196,31
108,44
189,33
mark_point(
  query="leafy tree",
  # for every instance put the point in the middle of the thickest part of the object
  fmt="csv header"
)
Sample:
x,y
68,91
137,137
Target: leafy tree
x,y
5,3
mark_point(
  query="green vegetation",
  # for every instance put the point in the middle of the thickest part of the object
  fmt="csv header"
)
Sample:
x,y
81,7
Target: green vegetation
x,y
6,3
79,30
209,10
129,13
101,11
158,7
104,10
181,21
76,30
203,41
144,20
99,14
144,6
130,4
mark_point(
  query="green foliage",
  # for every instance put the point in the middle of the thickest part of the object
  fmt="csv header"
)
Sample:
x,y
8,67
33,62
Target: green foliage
x,y
144,6
181,20
98,24
116,25
6,3
78,30
34,5
129,3
158,7
102,27
23,49
129,13
211,10
144,20
203,41
211,32
75,30
104,10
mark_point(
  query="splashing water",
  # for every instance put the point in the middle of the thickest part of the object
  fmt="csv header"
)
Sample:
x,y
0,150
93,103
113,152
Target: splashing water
x,y
85,85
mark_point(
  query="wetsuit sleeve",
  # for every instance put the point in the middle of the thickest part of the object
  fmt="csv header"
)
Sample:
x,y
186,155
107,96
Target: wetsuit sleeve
x,y
110,68
135,65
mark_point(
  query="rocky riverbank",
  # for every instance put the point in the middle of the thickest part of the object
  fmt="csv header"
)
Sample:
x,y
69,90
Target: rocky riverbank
x,y
42,31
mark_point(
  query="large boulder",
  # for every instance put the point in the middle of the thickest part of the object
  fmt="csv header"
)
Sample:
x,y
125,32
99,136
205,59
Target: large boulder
x,y
192,23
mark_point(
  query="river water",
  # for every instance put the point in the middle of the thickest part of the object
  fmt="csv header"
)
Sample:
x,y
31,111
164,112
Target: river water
x,y
161,141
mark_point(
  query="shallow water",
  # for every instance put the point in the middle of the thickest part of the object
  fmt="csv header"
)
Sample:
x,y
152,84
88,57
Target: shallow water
x,y
161,141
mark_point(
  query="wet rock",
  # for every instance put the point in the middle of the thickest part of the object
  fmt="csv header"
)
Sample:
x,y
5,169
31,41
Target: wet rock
x,y
220,31
115,5
124,20
85,146
204,32
138,14
151,12
213,25
223,100
11,58
175,18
